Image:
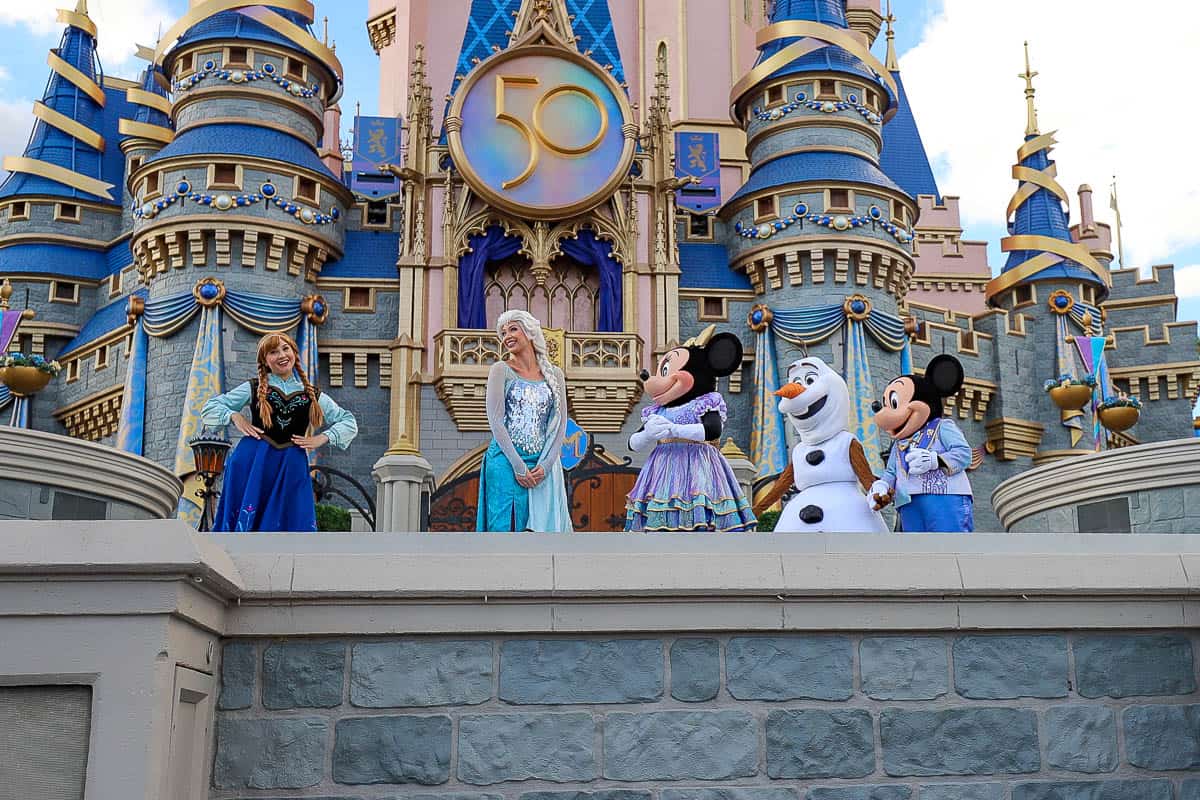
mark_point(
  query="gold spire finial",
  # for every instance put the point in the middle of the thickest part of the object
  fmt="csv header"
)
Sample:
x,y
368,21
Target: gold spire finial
x,y
81,7
1031,125
891,63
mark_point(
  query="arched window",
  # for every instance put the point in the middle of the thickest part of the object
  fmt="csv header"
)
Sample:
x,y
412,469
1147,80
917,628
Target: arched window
x,y
569,299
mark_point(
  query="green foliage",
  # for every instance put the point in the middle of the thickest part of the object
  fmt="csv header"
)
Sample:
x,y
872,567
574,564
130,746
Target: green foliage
x,y
36,361
332,518
767,520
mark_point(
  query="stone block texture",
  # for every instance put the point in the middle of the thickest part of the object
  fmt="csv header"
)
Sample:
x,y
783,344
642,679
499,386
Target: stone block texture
x,y
1051,715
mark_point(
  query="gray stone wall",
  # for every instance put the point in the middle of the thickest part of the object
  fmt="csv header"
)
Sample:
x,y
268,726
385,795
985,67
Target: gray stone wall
x,y
1170,509
1063,715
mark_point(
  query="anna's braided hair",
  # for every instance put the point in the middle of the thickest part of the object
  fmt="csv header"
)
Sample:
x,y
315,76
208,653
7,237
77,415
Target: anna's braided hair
x,y
271,342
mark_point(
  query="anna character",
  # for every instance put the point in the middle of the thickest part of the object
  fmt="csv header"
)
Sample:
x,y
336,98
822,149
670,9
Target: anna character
x,y
266,484
521,484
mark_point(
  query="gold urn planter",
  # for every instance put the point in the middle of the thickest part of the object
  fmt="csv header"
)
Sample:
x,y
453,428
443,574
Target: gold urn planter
x,y
1071,397
24,381
1119,418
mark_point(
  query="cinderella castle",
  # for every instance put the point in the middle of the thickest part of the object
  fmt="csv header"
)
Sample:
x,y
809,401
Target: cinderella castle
x,y
630,172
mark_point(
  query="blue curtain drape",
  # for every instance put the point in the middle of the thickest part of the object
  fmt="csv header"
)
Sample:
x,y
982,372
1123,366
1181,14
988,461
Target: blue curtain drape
x,y
597,253
131,429
491,245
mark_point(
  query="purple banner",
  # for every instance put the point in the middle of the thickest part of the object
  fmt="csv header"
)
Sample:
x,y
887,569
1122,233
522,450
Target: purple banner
x,y
376,143
698,155
10,318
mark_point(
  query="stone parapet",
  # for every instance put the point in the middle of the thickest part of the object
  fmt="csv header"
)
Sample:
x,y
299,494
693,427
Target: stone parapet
x,y
615,667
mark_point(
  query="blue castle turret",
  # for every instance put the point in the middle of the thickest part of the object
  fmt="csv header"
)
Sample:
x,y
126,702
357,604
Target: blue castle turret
x,y
819,227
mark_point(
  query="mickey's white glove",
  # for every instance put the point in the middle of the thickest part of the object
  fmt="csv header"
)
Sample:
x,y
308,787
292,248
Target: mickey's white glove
x,y
879,496
921,461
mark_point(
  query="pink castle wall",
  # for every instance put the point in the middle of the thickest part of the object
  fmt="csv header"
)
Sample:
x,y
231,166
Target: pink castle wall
x,y
951,258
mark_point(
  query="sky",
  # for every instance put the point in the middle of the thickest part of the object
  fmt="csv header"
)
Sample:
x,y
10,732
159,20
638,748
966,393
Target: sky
x,y
1115,85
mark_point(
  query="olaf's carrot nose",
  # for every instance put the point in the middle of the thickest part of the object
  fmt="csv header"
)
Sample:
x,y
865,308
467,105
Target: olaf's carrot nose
x,y
790,390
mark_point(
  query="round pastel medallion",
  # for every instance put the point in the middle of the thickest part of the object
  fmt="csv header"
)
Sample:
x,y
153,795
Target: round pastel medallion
x,y
541,132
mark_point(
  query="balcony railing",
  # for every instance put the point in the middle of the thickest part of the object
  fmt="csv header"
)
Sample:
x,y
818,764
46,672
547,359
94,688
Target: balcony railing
x,y
601,371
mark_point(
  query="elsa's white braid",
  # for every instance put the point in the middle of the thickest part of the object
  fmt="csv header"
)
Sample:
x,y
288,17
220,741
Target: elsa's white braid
x,y
533,329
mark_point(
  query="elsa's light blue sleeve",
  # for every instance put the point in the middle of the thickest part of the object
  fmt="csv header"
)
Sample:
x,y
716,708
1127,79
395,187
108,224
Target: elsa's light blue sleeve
x,y
341,427
958,452
218,410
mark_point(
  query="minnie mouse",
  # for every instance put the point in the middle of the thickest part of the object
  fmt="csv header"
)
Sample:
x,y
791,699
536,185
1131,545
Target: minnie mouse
x,y
686,484
926,470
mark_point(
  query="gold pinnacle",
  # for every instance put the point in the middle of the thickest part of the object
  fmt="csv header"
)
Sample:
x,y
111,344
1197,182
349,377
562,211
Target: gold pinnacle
x,y
891,63
1031,125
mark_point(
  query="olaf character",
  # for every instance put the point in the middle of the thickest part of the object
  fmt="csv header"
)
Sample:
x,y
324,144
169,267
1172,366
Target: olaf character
x,y
829,467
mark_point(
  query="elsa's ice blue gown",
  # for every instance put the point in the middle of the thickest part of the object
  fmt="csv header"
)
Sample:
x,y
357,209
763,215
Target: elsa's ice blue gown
x,y
528,421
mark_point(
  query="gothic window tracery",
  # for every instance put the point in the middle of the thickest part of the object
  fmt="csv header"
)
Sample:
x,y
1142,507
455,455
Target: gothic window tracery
x,y
569,299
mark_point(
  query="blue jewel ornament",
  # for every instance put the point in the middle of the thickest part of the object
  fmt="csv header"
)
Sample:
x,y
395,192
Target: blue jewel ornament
x,y
209,291
318,308
183,188
858,306
269,69
268,189
757,316
801,209
334,213
1061,301
210,65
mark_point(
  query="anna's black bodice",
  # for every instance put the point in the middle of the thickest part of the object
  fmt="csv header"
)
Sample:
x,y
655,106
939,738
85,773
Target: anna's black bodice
x,y
289,414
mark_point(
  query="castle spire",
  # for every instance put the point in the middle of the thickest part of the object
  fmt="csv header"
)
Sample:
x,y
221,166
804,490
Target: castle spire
x,y
891,63
65,153
1031,125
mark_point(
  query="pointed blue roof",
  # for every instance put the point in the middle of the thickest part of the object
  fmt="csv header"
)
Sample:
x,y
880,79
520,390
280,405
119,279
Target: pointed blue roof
x,y
826,59
1042,214
706,266
106,320
146,114
53,146
903,157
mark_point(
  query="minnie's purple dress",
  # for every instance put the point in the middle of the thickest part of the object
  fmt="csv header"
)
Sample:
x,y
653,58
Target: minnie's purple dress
x,y
687,486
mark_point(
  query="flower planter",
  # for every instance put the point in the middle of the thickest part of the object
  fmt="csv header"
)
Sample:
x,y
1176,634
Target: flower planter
x,y
1119,418
24,380
1071,397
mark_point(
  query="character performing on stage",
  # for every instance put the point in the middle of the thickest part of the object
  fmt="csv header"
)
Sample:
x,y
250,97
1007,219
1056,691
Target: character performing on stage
x,y
926,469
829,466
521,485
686,484
266,485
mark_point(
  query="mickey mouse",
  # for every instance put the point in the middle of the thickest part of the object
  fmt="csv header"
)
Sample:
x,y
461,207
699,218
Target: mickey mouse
x,y
926,468
686,484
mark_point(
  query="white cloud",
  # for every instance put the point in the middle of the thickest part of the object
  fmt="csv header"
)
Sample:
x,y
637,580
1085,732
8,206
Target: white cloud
x,y
1187,281
1114,84
16,122
121,24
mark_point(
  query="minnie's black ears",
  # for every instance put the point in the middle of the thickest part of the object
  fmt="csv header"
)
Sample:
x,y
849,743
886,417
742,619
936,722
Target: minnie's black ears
x,y
724,352
944,375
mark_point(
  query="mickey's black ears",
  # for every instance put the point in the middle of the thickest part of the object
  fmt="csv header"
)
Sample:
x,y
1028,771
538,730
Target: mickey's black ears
x,y
724,352
945,375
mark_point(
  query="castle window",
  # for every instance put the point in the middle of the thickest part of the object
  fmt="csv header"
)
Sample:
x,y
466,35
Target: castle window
x,y
306,190
775,95
377,213
135,164
114,284
569,299
73,370
827,89
238,56
899,212
1089,295
747,11
1022,295
700,226
765,208
872,100
713,309
102,356
185,64
966,340
66,212
294,69
225,176
150,187
64,292
839,200
18,211
359,298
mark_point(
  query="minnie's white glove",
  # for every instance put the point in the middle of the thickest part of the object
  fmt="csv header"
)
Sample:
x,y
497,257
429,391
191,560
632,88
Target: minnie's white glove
x,y
655,428
693,432
921,461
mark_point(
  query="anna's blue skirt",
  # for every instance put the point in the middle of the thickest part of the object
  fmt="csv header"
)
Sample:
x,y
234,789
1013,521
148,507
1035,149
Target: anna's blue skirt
x,y
266,489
